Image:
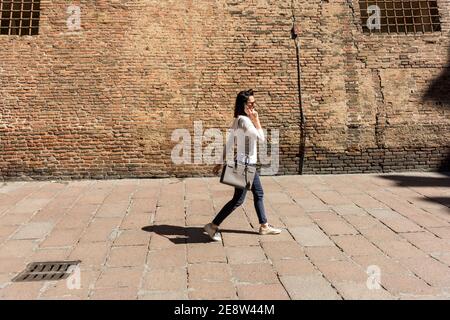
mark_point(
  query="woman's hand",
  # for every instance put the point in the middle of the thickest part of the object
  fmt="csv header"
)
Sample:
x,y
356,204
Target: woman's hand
x,y
216,169
252,113
254,116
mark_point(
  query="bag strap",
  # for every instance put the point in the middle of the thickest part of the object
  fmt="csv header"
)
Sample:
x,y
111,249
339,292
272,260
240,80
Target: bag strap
x,y
247,156
247,183
246,145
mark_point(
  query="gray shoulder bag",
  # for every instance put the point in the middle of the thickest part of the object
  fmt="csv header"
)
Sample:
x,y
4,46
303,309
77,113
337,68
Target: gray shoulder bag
x,y
237,174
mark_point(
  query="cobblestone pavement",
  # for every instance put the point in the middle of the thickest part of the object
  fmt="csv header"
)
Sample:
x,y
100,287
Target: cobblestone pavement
x,y
143,239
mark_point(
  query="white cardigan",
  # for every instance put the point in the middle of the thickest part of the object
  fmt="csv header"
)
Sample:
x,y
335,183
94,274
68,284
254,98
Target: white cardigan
x,y
242,126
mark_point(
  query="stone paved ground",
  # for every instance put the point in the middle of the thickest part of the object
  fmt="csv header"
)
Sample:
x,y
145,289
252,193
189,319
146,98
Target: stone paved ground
x,y
143,239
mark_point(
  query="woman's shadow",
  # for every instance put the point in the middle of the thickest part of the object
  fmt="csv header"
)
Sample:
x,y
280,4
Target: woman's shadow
x,y
184,235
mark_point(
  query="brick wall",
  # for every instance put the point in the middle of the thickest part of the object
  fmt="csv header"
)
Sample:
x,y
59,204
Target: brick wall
x,y
102,102
366,98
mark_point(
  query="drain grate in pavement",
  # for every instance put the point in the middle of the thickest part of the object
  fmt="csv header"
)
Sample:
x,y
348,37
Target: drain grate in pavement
x,y
46,271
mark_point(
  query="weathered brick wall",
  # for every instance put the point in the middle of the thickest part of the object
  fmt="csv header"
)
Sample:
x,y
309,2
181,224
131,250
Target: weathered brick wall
x,y
366,97
103,102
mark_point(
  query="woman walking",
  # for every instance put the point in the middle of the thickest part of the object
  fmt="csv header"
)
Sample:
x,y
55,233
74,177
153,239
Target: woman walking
x,y
246,121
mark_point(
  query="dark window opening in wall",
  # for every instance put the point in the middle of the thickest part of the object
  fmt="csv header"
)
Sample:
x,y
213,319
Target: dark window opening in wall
x,y
19,17
399,16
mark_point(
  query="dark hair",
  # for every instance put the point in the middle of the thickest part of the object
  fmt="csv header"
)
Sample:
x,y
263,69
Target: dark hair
x,y
241,101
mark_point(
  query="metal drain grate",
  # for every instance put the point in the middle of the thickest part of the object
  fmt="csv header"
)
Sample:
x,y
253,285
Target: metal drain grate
x,y
46,271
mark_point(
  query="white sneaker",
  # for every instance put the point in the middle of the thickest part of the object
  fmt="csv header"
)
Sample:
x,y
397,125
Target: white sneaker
x,y
213,233
269,230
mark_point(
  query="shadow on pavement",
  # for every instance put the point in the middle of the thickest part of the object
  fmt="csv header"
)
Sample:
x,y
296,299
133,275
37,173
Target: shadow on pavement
x,y
184,235
416,181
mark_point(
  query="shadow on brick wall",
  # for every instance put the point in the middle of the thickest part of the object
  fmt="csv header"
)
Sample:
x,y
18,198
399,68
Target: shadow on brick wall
x,y
445,166
438,91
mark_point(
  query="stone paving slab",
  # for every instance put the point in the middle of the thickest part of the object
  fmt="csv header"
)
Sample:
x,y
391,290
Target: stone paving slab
x,y
144,238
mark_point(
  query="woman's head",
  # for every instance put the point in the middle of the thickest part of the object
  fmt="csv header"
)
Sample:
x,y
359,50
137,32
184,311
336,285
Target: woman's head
x,y
244,98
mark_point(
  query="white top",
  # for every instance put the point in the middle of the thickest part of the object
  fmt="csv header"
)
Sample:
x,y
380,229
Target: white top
x,y
242,126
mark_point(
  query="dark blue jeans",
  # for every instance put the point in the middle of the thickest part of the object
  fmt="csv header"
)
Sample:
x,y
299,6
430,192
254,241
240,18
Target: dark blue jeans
x,y
238,200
